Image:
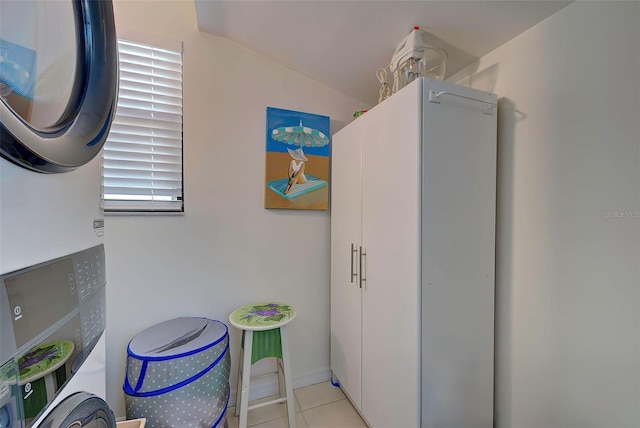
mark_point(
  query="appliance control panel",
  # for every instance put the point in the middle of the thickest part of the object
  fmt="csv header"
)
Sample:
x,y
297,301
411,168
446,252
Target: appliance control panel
x,y
38,300
93,316
89,272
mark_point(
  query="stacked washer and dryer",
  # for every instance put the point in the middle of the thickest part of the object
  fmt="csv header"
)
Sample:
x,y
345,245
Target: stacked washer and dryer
x,y
52,259
53,320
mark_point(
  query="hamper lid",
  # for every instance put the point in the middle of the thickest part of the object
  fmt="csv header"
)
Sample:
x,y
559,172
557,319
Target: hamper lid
x,y
175,338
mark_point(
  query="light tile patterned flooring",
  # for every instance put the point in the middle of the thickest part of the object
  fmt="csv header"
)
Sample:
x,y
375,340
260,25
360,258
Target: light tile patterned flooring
x,y
317,406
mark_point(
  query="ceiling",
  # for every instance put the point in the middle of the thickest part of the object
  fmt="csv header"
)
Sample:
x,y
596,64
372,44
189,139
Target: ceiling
x,y
342,43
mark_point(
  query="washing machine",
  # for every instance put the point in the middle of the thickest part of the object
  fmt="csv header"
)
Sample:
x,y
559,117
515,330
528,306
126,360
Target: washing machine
x,y
52,346
58,89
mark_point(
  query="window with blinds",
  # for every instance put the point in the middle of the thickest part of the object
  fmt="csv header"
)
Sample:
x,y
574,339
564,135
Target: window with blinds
x,y
142,157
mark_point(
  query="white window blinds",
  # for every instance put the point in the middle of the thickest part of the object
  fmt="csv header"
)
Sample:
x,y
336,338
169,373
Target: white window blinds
x,y
142,158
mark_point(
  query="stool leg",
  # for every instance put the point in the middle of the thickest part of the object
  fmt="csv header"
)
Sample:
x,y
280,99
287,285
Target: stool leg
x,y
281,391
246,376
239,382
288,386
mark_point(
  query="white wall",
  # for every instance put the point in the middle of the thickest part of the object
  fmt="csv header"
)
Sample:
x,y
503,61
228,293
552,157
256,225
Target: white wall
x,y
568,233
227,250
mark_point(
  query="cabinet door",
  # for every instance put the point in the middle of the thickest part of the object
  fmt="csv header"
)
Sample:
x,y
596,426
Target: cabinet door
x,y
391,236
346,296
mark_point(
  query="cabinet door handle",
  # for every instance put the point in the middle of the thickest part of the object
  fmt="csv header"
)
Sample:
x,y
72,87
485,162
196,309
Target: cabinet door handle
x,y
363,266
353,273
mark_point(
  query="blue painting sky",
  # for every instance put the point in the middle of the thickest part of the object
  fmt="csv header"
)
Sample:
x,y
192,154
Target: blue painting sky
x,y
277,118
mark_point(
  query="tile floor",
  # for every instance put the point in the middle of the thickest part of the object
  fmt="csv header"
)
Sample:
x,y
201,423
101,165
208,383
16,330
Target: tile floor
x,y
317,406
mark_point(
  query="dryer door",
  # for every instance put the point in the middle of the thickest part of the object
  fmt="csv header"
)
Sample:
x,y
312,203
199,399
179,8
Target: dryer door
x,y
58,82
80,410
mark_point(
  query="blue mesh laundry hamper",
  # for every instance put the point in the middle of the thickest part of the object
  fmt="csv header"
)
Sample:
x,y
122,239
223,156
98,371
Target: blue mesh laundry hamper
x,y
178,374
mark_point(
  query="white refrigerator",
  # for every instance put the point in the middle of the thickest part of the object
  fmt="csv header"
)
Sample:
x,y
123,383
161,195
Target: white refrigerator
x,y
412,258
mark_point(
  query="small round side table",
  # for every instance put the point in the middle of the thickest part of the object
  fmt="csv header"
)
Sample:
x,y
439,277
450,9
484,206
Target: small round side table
x,y
264,334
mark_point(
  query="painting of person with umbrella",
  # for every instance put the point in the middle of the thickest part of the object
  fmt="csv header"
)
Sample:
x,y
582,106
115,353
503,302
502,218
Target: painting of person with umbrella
x,y
296,169
297,162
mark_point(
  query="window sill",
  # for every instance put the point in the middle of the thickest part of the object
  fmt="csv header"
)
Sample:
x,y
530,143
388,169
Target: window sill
x,y
142,213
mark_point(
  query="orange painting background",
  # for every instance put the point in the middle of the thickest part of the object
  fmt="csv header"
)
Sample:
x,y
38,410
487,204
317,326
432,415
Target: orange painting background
x,y
276,167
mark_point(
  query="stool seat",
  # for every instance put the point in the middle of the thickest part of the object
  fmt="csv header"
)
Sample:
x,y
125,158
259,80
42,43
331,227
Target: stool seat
x,y
264,334
262,316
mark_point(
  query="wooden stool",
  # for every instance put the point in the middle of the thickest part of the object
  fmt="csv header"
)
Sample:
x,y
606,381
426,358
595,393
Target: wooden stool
x,y
264,334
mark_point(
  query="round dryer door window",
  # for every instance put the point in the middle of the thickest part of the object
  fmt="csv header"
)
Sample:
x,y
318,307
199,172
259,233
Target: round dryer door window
x,y
80,410
58,82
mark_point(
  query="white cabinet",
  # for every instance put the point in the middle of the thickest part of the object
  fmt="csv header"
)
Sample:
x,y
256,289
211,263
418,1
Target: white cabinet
x,y
412,258
346,236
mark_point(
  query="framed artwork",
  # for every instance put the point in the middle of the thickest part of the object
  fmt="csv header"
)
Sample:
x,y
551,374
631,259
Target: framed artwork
x,y
297,160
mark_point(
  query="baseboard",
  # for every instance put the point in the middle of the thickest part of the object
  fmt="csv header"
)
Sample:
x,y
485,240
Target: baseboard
x,y
266,385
